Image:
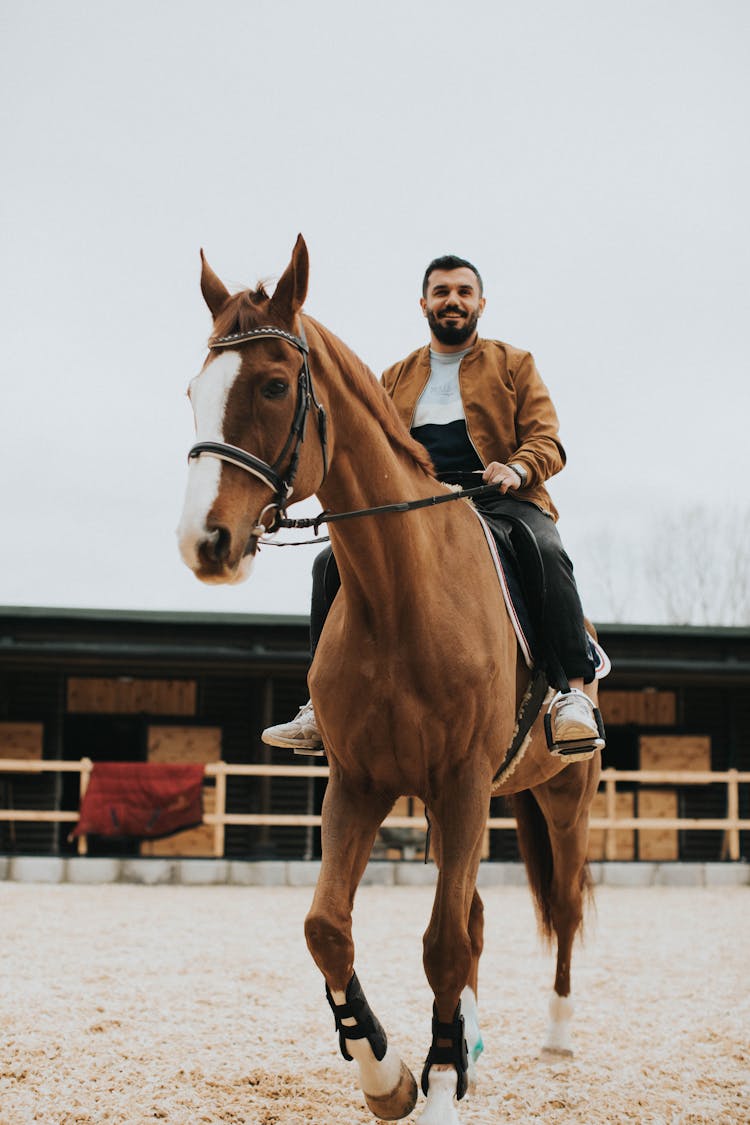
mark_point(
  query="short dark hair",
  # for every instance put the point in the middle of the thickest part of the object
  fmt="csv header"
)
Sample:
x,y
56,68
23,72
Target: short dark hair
x,y
450,262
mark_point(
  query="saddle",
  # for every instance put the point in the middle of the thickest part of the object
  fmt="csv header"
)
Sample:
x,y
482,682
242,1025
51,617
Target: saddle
x,y
520,570
523,570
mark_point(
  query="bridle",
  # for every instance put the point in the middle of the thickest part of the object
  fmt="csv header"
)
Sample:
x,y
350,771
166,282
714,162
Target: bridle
x,y
281,483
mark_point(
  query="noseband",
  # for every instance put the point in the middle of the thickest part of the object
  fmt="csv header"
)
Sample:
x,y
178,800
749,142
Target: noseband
x,y
280,484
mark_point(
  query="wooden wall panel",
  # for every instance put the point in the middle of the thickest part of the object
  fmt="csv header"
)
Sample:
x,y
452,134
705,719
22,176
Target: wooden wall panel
x,y
124,696
674,752
646,708
21,740
624,837
658,843
184,744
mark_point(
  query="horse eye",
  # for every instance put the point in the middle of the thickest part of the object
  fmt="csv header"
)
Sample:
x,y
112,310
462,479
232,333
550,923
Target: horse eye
x,y
277,388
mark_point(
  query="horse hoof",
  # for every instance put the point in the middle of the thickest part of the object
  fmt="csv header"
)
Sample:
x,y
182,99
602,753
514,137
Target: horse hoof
x,y
399,1103
552,1053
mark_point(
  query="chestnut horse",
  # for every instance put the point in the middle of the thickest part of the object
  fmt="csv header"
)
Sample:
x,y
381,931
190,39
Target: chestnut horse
x,y
417,676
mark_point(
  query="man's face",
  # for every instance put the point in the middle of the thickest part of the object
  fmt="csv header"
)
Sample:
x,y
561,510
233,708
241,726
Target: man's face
x,y
452,305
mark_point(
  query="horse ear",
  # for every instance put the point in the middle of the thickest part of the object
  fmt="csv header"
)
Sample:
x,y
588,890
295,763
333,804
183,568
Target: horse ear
x,y
215,292
289,295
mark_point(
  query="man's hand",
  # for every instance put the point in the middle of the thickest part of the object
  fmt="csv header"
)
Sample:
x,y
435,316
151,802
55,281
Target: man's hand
x,y
508,479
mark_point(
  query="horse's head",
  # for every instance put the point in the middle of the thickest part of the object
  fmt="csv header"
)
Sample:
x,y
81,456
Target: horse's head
x,y
251,400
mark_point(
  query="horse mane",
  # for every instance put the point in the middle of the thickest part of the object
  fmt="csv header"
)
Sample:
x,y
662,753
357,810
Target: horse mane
x,y
251,308
365,385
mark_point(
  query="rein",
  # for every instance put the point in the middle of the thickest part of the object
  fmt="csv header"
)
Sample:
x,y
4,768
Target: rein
x,y
281,485
402,506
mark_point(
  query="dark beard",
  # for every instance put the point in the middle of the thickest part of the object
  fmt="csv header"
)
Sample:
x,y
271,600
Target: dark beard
x,y
452,333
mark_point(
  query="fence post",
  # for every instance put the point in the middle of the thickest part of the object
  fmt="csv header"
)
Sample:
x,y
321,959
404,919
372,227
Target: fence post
x,y
220,808
610,842
733,814
86,767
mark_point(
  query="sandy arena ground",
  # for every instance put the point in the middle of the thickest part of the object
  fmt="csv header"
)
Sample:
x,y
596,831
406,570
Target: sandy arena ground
x,y
123,1005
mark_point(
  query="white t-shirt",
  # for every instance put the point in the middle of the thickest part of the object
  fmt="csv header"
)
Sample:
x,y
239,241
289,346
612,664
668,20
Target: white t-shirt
x,y
440,420
440,401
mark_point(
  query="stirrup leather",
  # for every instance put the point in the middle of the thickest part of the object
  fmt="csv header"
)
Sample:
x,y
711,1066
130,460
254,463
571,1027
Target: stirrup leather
x,y
455,1055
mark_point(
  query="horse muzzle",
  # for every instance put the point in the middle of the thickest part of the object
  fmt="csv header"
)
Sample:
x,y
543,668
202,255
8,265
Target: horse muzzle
x,y
214,557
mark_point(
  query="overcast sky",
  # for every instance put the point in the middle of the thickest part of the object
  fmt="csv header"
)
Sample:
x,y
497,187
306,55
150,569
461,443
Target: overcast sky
x,y
591,157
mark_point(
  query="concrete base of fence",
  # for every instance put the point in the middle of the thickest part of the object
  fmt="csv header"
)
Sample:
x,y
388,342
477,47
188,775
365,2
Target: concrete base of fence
x,y
92,869
37,869
202,872
727,874
301,873
262,873
148,871
626,874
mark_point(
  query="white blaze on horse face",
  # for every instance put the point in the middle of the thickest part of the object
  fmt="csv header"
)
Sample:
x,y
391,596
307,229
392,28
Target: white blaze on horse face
x,y
209,392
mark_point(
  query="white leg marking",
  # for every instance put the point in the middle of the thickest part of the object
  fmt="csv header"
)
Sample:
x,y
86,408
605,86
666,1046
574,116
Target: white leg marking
x,y
376,1078
208,395
559,1040
441,1102
474,1044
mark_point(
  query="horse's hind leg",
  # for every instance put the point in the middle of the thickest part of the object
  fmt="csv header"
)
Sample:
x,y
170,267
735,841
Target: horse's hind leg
x,y
565,802
350,820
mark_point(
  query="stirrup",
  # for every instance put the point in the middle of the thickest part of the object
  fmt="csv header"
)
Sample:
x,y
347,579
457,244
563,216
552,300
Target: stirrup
x,y
575,749
310,752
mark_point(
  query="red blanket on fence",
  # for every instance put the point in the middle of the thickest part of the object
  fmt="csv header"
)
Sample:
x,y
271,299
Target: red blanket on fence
x,y
144,799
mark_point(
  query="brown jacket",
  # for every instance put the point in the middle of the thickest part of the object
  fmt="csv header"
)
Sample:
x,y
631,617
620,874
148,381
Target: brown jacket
x,y
509,414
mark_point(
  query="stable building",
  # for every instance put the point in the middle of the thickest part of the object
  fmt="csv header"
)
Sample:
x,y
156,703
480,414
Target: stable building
x,y
188,687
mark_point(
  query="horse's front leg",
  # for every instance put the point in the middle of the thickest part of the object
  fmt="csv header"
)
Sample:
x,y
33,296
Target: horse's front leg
x,y
350,820
470,994
565,801
452,944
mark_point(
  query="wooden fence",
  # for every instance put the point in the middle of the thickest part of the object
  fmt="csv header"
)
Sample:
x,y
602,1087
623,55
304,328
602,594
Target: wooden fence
x,y
731,824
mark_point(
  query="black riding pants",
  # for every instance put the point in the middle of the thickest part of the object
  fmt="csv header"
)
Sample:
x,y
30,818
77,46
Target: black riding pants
x,y
563,613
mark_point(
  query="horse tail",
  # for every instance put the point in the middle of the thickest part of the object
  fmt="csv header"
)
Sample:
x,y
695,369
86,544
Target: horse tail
x,y
536,852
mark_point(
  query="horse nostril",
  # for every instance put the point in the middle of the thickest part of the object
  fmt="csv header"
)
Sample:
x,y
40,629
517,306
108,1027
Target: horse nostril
x,y
215,547
223,543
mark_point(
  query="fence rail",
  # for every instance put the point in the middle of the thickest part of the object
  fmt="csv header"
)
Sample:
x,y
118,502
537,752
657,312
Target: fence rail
x,y
731,824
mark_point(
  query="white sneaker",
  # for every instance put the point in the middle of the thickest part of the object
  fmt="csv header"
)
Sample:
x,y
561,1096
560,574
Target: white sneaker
x,y
301,735
572,721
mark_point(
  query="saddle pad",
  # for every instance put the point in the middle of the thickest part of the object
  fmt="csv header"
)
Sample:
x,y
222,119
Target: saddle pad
x,y
518,612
